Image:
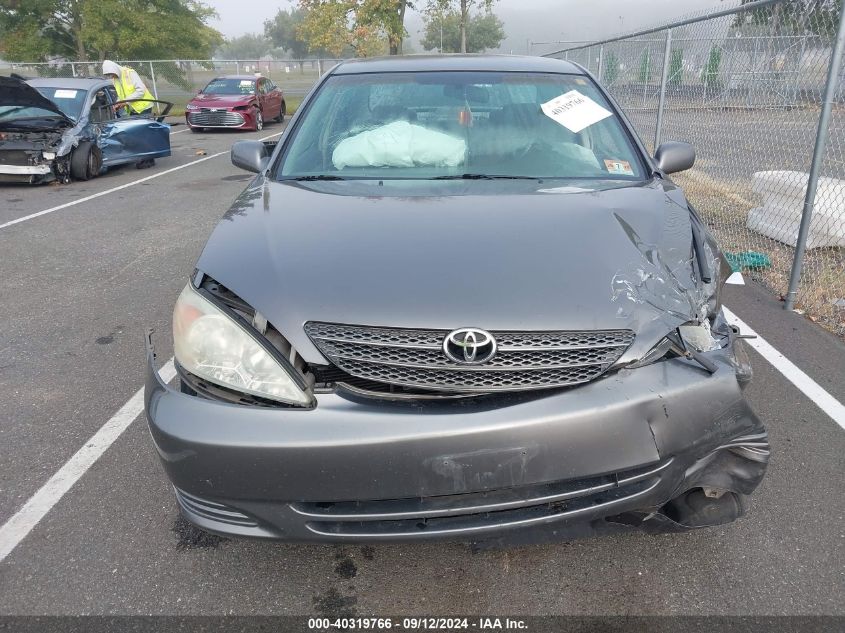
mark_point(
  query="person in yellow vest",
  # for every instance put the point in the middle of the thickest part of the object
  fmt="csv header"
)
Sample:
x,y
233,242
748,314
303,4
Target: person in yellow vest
x,y
129,86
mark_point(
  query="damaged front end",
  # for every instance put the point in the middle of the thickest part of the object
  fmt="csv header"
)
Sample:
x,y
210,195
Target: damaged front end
x,y
527,446
33,156
36,137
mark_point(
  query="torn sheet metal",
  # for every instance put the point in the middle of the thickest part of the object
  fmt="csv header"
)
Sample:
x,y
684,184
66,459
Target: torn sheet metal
x,y
663,280
669,277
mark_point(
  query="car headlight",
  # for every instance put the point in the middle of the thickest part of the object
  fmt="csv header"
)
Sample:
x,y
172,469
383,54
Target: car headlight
x,y
191,106
213,346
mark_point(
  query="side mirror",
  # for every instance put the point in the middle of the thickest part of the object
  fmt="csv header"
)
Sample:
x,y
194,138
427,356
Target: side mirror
x,y
674,156
249,155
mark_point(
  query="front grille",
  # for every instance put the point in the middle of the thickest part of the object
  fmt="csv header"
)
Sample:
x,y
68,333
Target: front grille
x,y
415,358
16,157
470,512
212,119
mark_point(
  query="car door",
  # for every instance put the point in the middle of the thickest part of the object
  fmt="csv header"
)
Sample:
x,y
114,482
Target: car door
x,y
274,95
271,109
261,98
125,138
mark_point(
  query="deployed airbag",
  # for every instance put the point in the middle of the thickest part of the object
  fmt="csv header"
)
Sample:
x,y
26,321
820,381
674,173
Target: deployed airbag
x,y
400,144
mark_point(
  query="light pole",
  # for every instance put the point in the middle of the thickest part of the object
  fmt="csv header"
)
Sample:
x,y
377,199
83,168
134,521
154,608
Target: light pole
x,y
441,33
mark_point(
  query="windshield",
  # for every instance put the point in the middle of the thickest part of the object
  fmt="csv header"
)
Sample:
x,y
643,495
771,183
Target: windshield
x,y
460,125
230,87
69,101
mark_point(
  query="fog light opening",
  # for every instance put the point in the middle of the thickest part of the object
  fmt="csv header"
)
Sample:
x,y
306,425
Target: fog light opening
x,y
699,508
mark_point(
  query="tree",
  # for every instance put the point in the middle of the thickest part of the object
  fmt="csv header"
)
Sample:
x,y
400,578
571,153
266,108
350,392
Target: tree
x,y
645,66
798,17
283,30
710,74
676,67
611,68
363,25
38,30
462,7
249,46
484,31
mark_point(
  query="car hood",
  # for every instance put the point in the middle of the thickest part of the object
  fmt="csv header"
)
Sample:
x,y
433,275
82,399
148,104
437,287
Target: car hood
x,y
14,92
550,259
222,101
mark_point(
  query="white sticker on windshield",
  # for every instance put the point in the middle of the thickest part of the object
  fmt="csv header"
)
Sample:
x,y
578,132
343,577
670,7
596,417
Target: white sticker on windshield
x,y
574,111
246,82
64,94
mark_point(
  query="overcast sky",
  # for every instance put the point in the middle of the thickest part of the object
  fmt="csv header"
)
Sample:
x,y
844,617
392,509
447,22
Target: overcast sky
x,y
534,20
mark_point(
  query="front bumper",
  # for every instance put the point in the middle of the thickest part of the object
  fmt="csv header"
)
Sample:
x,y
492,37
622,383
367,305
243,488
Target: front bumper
x,y
26,170
565,463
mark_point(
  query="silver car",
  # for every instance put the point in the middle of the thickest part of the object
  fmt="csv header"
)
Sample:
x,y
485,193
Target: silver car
x,y
458,301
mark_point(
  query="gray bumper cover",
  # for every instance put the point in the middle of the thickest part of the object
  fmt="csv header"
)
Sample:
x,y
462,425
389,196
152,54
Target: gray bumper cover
x,y
271,472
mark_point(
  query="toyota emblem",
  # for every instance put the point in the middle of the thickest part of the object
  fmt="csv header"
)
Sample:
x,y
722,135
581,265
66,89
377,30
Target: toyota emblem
x,y
469,346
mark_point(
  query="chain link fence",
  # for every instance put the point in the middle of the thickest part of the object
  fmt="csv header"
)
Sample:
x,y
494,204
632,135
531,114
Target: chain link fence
x,y
746,88
179,80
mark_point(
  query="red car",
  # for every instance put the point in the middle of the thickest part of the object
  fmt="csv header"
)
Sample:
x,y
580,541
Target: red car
x,y
236,101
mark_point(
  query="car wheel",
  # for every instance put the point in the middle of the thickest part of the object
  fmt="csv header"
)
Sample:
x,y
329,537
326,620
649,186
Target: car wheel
x,y
259,121
282,113
86,161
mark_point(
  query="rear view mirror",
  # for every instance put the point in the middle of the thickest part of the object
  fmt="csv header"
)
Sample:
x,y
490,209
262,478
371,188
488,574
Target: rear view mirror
x,y
249,155
674,156
469,93
478,94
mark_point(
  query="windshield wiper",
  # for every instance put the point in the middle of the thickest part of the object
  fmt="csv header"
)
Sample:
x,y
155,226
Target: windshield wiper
x,y
318,177
483,177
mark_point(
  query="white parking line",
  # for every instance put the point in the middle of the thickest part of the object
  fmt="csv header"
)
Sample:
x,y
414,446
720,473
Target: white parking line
x,y
73,203
179,131
39,504
809,387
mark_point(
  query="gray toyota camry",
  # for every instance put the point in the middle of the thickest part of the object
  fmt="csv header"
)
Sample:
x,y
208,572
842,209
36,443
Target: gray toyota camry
x,y
458,301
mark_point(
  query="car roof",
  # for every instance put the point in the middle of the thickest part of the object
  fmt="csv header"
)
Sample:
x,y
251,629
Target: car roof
x,y
253,77
426,63
76,83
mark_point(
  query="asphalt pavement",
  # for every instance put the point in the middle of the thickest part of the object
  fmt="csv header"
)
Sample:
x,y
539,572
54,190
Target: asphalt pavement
x,y
80,285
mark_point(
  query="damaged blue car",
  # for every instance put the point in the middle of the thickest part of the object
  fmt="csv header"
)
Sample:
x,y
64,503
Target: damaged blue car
x,y
63,129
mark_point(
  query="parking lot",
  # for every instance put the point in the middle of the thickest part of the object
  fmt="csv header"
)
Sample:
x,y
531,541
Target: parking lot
x,y
87,267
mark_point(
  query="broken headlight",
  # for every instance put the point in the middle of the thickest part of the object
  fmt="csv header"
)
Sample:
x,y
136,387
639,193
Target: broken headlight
x,y
689,339
212,345
698,336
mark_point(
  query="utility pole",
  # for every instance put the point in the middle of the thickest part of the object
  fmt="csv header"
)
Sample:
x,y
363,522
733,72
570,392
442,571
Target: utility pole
x,y
441,32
